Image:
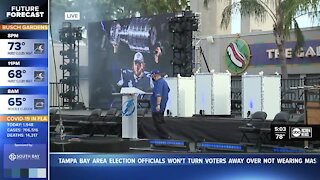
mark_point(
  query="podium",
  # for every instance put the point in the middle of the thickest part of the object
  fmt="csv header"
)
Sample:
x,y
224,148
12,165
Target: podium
x,y
129,111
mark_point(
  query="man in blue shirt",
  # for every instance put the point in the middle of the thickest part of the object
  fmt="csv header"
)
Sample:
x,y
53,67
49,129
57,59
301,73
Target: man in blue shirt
x,y
158,102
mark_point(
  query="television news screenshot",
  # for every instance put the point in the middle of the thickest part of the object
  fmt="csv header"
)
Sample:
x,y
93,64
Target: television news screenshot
x,y
160,89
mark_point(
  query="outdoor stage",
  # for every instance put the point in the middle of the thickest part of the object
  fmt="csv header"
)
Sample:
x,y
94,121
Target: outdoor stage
x,y
197,129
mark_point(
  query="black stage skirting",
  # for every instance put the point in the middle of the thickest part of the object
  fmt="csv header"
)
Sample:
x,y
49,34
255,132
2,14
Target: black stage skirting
x,y
196,129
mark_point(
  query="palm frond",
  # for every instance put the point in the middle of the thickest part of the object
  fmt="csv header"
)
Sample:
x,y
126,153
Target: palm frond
x,y
299,36
226,16
246,8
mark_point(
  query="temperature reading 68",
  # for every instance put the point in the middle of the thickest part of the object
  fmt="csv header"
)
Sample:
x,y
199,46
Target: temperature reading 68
x,y
16,101
16,73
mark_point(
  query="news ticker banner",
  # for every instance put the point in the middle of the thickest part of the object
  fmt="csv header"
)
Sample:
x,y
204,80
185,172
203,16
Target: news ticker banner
x,y
185,166
295,132
24,89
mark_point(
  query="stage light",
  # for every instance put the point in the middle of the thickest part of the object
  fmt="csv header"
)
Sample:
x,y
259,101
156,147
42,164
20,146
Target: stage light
x,y
182,26
179,14
78,33
66,25
69,34
66,37
70,81
220,146
68,95
287,150
210,39
167,142
70,53
69,67
194,24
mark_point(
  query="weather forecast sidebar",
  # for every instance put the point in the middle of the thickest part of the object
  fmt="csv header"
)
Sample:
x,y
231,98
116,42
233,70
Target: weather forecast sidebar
x,y
24,89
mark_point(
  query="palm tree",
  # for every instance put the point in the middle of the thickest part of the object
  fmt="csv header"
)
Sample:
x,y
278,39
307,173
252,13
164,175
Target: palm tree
x,y
283,14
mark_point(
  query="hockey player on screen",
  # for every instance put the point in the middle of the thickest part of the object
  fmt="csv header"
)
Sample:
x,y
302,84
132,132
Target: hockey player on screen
x,y
136,77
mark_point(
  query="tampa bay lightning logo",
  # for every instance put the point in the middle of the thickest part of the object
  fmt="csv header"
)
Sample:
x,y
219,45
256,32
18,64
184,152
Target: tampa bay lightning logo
x,y
128,108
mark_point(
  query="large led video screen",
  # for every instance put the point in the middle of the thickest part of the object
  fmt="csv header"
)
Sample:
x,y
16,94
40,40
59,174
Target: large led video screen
x,y
122,53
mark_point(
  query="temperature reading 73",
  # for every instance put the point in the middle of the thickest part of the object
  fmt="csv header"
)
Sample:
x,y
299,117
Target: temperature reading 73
x,y
16,101
16,73
16,45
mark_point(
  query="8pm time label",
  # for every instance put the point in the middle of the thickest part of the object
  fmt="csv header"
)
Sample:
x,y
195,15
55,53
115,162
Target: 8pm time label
x,y
23,104
23,48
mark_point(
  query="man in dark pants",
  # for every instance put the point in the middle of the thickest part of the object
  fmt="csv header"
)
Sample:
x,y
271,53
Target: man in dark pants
x,y
158,102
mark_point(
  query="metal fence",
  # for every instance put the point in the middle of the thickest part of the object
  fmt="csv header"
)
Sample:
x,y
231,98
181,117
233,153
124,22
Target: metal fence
x,y
236,88
292,101
54,98
313,95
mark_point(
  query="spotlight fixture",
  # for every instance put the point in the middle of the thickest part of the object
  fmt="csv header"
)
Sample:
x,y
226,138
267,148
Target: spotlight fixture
x,y
68,95
69,67
70,81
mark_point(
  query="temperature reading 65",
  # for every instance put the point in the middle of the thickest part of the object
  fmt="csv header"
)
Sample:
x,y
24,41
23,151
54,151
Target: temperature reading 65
x,y
16,101
16,45
16,73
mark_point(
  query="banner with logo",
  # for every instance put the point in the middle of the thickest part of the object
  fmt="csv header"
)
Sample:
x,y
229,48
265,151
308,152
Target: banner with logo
x,y
237,56
268,54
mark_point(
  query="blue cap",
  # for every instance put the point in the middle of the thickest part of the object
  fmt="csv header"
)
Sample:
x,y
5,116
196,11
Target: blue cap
x,y
155,71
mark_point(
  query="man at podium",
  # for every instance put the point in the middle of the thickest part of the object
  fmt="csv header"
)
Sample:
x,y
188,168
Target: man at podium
x,y
158,102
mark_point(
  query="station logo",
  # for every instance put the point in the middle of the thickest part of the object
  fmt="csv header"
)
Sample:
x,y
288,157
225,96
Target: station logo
x,y
237,57
301,132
